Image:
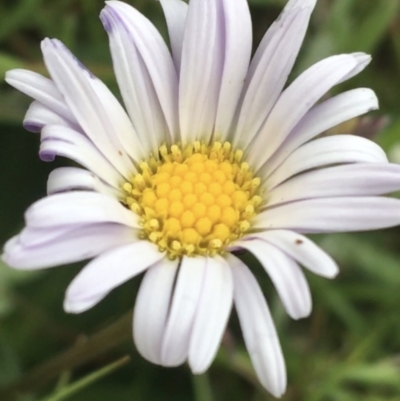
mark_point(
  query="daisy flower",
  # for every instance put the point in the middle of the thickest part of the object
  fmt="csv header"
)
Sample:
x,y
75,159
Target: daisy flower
x,y
212,156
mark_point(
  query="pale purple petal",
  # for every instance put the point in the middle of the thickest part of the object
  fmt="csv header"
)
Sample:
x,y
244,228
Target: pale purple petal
x,y
362,61
135,83
275,28
301,249
41,89
258,328
33,236
156,58
175,345
108,271
66,179
175,14
287,276
348,180
152,308
88,106
326,215
325,116
39,115
235,28
212,314
201,71
79,207
270,68
63,141
295,101
338,149
123,128
40,249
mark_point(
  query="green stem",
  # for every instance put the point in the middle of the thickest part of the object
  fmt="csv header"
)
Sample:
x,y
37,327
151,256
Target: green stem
x,y
80,353
202,388
74,388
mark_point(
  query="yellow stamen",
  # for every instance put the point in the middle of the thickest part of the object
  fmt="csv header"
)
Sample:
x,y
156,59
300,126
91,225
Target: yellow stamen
x,y
194,200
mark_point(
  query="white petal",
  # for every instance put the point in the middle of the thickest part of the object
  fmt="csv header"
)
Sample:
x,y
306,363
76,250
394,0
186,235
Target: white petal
x,y
123,128
152,308
63,141
201,71
275,28
39,249
235,28
292,4
258,329
39,115
135,84
88,105
348,180
175,14
40,88
270,68
212,314
79,208
362,60
155,55
107,272
332,215
32,236
287,276
295,101
326,151
324,116
175,346
65,179
301,249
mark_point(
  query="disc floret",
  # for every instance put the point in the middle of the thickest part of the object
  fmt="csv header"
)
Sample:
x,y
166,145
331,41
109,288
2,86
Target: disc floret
x,y
194,200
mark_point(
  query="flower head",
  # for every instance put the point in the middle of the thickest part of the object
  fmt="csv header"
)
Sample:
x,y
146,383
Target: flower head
x,y
212,156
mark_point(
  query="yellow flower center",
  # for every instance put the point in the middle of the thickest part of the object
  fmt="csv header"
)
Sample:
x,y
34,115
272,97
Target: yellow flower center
x,y
194,200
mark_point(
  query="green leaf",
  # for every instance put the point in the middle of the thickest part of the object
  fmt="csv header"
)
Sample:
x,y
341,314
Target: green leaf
x,y
381,374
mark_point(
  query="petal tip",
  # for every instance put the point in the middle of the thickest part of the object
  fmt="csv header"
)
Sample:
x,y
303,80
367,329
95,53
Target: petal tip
x,y
54,47
332,273
71,306
197,369
47,155
74,305
278,393
301,313
113,14
32,126
11,260
106,20
10,75
362,59
4,258
47,43
11,255
278,387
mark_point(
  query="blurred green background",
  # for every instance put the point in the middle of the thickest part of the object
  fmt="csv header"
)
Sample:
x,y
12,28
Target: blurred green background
x,y
349,349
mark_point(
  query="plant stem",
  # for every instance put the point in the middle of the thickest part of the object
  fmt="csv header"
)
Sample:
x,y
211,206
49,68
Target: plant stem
x,y
202,388
73,388
80,353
